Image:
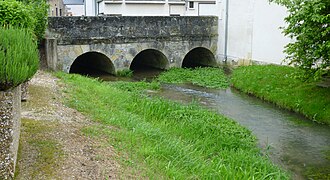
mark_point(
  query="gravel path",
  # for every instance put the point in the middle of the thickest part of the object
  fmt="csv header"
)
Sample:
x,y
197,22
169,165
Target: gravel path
x,y
84,157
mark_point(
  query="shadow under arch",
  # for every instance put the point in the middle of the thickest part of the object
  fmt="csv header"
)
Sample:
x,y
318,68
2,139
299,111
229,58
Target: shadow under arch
x,y
199,57
149,59
92,63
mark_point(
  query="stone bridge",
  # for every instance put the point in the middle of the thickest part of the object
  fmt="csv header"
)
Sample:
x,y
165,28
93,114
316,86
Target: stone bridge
x,y
112,44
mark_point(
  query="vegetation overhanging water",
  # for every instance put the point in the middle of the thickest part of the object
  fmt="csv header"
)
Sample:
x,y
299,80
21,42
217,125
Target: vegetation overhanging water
x,y
170,139
217,80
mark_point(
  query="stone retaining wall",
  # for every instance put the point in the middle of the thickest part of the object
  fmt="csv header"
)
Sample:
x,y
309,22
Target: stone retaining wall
x,y
10,106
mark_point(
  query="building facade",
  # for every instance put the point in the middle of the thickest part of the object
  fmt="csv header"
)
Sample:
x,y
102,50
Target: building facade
x,y
75,7
56,8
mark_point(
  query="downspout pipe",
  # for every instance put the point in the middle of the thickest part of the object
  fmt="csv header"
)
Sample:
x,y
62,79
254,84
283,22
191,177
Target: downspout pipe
x,y
226,32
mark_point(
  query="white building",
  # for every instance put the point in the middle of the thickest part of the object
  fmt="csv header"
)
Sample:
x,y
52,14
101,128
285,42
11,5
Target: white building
x,y
248,29
155,7
253,31
75,7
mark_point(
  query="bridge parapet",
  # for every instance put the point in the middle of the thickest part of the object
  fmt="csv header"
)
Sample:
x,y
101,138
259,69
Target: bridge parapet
x,y
125,29
121,38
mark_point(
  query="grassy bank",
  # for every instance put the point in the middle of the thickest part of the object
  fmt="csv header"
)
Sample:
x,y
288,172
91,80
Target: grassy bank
x,y
166,140
206,77
282,86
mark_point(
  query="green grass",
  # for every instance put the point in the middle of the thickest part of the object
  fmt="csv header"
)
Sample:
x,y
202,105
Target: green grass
x,y
283,86
168,140
206,77
125,73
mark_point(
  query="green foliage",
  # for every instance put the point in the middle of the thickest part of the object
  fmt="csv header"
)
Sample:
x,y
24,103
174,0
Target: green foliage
x,y
18,57
14,13
125,73
27,14
40,13
169,140
207,77
135,86
309,25
284,86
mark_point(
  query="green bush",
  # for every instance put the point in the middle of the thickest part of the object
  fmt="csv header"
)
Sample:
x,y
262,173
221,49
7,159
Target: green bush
x,y
14,13
27,14
40,13
18,57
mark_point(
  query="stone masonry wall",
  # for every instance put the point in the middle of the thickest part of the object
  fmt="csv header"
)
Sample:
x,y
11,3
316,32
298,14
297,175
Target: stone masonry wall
x,y
126,29
10,104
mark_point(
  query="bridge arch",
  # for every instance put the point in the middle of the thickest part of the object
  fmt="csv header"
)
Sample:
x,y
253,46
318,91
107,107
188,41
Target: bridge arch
x,y
92,62
149,59
199,57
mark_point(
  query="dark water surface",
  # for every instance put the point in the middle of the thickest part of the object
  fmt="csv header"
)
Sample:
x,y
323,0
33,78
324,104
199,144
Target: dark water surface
x,y
292,141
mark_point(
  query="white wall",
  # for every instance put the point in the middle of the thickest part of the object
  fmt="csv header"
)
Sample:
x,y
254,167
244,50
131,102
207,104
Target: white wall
x,y
133,9
177,9
268,41
253,31
90,8
208,10
76,10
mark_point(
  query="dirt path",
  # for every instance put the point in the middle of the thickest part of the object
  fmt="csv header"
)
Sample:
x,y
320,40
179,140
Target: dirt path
x,y
52,145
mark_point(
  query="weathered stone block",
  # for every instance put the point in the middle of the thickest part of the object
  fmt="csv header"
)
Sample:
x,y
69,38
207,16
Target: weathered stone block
x,y
10,105
24,87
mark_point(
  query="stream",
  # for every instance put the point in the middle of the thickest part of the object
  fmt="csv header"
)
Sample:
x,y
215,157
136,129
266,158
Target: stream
x,y
290,140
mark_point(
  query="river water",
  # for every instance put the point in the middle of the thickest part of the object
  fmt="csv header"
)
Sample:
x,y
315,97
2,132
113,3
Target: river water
x,y
290,140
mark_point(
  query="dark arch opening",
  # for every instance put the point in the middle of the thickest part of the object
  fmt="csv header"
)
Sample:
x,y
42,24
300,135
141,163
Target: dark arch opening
x,y
199,57
149,59
92,63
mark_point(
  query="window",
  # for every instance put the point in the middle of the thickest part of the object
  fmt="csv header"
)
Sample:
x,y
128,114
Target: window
x,y
191,5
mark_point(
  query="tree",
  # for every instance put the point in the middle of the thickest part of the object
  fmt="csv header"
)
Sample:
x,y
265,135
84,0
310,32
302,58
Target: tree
x,y
309,26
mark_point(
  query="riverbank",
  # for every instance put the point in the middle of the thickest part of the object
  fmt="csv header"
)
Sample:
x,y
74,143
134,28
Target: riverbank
x,y
283,86
52,145
164,139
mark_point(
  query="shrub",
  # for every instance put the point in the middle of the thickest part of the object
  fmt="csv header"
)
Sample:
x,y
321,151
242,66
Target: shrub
x,y
308,23
27,14
40,13
14,13
18,57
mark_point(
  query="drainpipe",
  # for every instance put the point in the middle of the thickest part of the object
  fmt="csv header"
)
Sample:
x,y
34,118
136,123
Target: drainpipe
x,y
85,7
226,32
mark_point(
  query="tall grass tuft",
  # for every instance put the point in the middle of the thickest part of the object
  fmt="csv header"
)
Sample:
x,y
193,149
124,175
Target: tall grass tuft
x,y
284,86
206,77
18,57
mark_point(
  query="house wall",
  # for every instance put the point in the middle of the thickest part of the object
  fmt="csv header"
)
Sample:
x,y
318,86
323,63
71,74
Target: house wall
x,y
133,9
253,31
90,8
56,5
75,10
